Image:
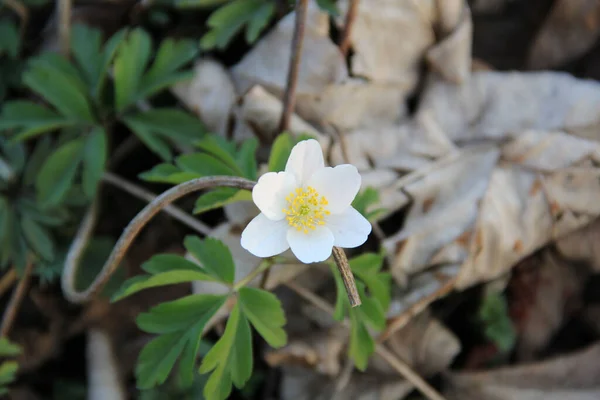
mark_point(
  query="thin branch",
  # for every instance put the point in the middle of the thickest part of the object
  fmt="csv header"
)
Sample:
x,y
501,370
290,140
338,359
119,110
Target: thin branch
x,y
396,363
347,277
148,196
130,233
289,99
64,8
348,24
15,301
8,279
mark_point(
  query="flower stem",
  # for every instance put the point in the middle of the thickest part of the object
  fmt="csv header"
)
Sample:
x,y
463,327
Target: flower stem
x,y
263,266
129,234
342,263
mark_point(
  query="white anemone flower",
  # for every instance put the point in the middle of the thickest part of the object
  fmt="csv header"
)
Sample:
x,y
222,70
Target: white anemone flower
x,y
306,208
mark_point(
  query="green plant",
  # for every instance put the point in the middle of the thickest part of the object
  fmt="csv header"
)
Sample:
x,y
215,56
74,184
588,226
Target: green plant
x,y
179,324
374,287
84,110
498,326
10,63
8,369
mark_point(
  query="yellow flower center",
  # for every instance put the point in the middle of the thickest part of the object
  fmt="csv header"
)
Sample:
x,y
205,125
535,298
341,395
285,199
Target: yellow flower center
x,y
306,209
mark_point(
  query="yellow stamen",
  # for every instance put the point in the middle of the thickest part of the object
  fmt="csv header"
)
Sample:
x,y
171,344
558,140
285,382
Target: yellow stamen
x,y
306,209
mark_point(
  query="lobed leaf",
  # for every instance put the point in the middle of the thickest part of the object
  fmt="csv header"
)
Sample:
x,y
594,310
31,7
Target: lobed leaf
x,y
265,313
214,256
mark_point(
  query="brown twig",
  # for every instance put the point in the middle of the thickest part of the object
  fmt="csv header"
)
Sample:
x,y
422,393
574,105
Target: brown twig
x,y
8,279
16,300
347,277
145,195
399,365
21,11
348,24
129,234
289,98
64,8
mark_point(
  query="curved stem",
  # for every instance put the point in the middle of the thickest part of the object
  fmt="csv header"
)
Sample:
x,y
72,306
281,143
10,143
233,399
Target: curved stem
x,y
264,265
16,300
130,233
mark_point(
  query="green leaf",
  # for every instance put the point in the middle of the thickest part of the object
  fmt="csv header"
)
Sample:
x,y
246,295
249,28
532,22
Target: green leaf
x,y
38,238
170,123
370,310
498,326
366,267
329,7
265,313
172,55
247,158
85,46
152,141
55,79
222,150
280,152
142,282
8,349
10,41
213,255
230,359
168,262
362,344
179,314
8,372
94,160
42,150
167,173
129,66
364,202
110,50
58,173
158,357
30,119
202,164
219,197
259,21
198,3
228,20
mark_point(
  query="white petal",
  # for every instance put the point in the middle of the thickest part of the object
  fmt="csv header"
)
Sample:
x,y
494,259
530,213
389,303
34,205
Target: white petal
x,y
314,246
306,158
265,238
339,185
350,228
270,192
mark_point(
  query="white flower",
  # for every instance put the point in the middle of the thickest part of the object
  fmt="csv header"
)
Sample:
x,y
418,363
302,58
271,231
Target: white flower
x,y
306,208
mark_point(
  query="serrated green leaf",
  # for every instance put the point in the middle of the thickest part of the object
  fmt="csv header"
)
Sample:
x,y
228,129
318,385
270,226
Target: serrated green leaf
x,y
247,158
94,160
259,21
129,66
157,358
172,55
220,197
265,313
38,238
213,255
30,119
222,150
85,47
230,359
280,152
228,20
55,79
366,267
170,123
362,344
202,164
142,282
58,173
151,140
168,262
180,314
167,173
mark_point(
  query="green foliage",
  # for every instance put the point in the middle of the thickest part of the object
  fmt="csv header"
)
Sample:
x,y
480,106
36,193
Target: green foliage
x,y
365,201
498,326
8,368
217,156
179,324
10,48
230,19
78,106
26,228
367,270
